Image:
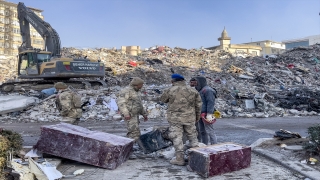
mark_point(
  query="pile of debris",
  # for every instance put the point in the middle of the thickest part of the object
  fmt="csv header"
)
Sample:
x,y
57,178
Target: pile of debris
x,y
100,105
259,87
154,64
8,69
281,85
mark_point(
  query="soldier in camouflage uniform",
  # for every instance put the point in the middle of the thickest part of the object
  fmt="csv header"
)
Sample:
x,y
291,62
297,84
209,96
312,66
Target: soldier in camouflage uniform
x,y
184,105
68,103
130,106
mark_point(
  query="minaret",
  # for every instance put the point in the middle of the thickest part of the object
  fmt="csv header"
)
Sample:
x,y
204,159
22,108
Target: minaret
x,y
224,40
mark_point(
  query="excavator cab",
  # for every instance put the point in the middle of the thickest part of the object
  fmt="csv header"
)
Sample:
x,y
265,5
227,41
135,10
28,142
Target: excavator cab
x,y
30,62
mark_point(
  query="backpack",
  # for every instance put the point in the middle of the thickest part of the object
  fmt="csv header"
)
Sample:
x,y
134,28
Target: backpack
x,y
216,94
63,105
76,100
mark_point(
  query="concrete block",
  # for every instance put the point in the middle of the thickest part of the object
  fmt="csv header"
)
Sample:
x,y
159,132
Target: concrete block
x,y
80,144
219,158
249,104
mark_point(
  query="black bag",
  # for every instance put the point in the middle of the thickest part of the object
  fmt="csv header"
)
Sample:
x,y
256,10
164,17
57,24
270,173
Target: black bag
x,y
153,141
284,134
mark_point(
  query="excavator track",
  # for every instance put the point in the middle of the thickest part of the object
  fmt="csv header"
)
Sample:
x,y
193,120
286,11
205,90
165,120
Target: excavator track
x,y
38,85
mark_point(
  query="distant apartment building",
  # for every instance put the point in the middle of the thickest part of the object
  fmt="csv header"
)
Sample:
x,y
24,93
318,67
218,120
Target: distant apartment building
x,y
304,42
10,38
269,47
131,50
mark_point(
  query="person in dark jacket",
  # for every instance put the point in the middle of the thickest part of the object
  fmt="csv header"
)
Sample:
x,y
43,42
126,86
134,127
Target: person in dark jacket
x,y
205,124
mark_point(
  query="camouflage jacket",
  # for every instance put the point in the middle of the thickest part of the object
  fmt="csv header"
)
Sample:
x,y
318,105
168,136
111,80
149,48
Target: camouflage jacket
x,y
130,103
184,103
69,104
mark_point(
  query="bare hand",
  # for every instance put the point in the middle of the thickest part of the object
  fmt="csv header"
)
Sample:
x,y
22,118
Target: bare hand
x,y
145,118
127,118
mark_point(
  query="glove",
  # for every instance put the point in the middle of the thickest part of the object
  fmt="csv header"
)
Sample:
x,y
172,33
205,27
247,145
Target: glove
x,y
209,117
217,114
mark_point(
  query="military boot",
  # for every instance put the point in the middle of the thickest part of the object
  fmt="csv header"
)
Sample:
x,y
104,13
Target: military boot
x,y
179,160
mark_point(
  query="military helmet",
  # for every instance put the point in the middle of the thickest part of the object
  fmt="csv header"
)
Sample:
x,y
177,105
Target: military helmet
x,y
60,85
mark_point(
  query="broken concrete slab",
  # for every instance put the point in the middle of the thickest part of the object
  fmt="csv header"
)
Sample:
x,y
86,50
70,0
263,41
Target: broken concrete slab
x,y
80,144
15,103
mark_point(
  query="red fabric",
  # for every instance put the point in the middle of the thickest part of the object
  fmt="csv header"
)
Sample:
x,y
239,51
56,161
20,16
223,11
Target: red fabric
x,y
212,122
290,66
133,63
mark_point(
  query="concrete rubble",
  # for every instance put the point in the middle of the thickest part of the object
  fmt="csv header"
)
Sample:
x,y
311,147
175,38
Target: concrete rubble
x,y
282,85
102,106
8,68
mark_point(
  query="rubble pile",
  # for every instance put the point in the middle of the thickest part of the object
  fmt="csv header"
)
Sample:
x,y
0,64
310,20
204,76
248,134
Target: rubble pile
x,y
100,105
281,85
154,64
8,69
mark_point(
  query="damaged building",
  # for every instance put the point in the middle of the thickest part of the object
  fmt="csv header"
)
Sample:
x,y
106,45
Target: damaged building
x,y
258,48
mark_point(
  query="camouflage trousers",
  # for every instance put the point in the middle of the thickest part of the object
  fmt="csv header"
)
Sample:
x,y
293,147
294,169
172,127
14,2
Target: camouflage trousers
x,y
74,121
176,132
133,127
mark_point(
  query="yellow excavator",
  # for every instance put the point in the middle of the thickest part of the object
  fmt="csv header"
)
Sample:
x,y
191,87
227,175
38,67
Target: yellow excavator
x,y
44,67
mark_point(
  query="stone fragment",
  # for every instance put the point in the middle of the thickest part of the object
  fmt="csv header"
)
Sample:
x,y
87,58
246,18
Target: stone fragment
x,y
261,115
167,153
91,147
294,111
117,117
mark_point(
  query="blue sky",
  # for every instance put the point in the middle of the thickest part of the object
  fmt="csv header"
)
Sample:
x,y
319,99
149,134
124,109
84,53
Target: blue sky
x,y
182,23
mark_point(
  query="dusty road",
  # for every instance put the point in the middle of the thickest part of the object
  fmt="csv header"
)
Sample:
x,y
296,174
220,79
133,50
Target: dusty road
x,y
240,130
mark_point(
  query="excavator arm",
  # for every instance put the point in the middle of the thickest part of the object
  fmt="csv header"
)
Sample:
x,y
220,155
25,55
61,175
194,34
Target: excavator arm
x,y
50,36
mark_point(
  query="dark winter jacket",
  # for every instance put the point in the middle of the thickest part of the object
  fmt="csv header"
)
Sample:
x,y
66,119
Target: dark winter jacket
x,y
207,95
